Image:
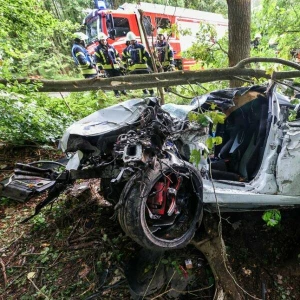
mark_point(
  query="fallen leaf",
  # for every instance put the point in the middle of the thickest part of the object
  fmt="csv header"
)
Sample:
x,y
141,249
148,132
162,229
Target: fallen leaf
x,y
115,280
30,275
247,271
83,273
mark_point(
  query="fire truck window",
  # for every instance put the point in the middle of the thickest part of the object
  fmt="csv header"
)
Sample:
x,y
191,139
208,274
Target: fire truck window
x,y
92,31
148,25
121,26
162,23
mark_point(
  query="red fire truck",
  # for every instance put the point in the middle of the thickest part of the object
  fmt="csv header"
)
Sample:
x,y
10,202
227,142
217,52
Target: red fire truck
x,y
116,24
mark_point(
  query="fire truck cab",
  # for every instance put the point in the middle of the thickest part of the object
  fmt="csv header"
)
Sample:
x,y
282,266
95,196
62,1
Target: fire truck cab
x,y
116,24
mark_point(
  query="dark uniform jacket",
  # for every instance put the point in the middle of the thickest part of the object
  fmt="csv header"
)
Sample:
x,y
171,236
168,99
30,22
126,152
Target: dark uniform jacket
x,y
164,53
83,60
136,57
107,57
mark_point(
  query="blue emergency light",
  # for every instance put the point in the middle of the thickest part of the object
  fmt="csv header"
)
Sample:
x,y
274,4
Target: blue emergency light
x,y
100,4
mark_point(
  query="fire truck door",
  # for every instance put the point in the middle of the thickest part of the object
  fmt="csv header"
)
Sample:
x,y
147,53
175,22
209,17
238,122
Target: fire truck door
x,y
110,26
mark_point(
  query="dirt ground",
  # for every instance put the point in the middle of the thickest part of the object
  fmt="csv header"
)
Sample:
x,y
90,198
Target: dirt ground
x,y
77,250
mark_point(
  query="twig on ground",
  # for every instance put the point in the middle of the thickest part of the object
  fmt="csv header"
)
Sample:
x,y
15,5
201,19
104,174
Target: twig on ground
x,y
35,286
152,277
89,245
83,239
73,230
16,252
182,292
55,261
12,242
3,271
20,275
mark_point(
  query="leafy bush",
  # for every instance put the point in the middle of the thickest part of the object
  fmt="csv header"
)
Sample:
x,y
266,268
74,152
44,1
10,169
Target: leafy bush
x,y
27,121
28,116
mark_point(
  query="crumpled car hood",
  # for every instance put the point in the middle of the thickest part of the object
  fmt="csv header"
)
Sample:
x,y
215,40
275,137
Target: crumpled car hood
x,y
106,120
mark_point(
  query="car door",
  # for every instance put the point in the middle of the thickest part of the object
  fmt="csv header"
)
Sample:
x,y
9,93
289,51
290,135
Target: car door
x,y
288,163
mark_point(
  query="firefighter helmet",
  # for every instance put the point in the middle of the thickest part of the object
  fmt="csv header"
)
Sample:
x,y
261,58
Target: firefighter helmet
x,y
258,36
130,36
80,36
102,36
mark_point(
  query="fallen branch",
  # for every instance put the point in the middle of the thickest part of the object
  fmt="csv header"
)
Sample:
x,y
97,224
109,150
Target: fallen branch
x,y
160,80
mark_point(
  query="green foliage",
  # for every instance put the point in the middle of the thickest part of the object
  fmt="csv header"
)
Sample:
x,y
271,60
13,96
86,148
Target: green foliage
x,y
212,53
195,157
29,117
272,217
39,222
200,118
216,6
26,118
293,113
205,119
278,22
32,41
211,141
85,103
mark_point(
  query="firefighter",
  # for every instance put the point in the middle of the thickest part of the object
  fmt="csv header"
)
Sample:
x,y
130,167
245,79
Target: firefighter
x,y
136,57
108,60
81,56
164,52
296,54
125,54
256,42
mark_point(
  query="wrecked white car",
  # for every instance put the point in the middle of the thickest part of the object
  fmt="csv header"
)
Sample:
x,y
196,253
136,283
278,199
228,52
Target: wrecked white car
x,y
142,152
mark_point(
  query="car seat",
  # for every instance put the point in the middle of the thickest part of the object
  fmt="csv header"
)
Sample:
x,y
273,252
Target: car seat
x,y
243,134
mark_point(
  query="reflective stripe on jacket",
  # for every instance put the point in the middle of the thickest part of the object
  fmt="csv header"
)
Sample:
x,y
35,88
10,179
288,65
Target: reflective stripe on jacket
x,y
136,56
164,53
107,57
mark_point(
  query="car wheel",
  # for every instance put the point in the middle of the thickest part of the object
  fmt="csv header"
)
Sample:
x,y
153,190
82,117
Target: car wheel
x,y
162,207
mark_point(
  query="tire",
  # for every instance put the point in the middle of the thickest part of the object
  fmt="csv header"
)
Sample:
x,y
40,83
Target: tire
x,y
142,194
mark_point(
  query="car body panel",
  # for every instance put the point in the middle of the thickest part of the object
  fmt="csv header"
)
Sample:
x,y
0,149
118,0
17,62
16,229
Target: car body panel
x,y
288,165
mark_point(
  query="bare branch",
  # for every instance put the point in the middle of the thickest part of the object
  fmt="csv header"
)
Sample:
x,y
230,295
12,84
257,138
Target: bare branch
x,y
246,61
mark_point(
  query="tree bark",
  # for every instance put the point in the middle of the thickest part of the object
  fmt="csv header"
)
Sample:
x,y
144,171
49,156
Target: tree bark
x,y
160,89
239,21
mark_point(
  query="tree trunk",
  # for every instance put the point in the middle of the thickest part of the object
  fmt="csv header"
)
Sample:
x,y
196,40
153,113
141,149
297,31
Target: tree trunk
x,y
239,20
213,248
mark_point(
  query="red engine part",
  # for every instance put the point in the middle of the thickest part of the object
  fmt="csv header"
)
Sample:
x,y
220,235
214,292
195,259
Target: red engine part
x,y
163,192
157,203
